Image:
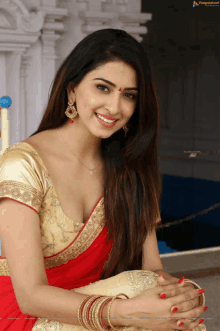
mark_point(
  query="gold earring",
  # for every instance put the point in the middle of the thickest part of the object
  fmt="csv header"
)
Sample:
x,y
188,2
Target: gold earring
x,y
126,130
71,112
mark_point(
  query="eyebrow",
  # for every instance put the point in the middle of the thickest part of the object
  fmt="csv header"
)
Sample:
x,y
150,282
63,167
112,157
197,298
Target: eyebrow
x,y
110,83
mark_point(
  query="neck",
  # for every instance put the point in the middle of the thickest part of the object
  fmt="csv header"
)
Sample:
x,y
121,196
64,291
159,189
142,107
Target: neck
x,y
83,145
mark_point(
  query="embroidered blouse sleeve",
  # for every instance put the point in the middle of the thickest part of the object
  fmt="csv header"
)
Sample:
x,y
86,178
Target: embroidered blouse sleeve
x,y
21,178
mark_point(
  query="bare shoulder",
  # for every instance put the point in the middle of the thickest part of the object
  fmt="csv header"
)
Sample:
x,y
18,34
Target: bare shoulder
x,y
46,144
41,139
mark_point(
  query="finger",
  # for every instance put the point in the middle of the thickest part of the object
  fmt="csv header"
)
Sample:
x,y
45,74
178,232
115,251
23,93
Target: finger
x,y
173,290
181,290
186,305
188,313
187,324
184,301
170,280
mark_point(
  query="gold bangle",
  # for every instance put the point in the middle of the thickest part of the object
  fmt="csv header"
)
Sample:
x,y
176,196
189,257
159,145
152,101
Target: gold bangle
x,y
103,323
97,313
202,296
93,315
115,297
79,311
91,319
90,314
85,311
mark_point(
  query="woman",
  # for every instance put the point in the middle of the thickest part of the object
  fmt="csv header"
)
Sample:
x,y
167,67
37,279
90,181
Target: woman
x,y
93,195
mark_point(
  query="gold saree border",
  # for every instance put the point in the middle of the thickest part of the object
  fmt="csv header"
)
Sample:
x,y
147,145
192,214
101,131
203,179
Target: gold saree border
x,y
91,230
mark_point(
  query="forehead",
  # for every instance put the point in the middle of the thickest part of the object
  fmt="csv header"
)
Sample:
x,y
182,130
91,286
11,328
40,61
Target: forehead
x,y
117,72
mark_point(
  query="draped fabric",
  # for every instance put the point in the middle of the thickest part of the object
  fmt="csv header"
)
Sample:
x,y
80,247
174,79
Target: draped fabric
x,y
83,270
74,252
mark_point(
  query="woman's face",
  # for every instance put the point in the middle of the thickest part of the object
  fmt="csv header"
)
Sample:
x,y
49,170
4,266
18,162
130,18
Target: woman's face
x,y
93,96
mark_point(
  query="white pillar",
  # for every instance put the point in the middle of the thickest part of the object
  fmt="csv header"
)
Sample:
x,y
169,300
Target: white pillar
x,y
13,65
48,63
23,95
95,5
2,70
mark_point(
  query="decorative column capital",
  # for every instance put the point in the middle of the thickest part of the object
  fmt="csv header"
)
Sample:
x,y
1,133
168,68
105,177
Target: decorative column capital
x,y
33,22
127,21
118,14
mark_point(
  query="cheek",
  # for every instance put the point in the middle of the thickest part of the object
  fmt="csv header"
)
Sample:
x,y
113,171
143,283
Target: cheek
x,y
129,112
92,102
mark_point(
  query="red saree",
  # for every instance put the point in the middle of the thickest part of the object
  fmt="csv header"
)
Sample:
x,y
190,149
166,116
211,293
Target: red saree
x,y
74,252
77,272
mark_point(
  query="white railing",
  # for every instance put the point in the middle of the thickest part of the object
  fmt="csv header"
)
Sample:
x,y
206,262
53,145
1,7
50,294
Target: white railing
x,y
5,103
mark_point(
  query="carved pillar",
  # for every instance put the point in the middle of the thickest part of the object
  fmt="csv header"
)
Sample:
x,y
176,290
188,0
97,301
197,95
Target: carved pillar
x,y
20,30
48,62
25,61
49,39
13,65
2,70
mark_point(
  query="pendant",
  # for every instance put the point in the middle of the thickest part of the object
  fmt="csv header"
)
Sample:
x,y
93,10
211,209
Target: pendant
x,y
91,172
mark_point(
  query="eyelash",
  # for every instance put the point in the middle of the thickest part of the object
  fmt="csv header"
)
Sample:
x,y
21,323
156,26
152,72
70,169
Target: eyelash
x,y
134,96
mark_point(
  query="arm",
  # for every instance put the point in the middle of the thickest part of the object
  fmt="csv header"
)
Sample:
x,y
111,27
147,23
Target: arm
x,y
62,305
20,233
152,261
151,257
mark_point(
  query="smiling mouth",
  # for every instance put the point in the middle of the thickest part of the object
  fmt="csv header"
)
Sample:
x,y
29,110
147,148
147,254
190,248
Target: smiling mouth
x,y
106,119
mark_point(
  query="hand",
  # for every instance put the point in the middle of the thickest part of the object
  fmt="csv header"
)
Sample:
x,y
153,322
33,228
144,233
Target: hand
x,y
148,311
167,279
173,280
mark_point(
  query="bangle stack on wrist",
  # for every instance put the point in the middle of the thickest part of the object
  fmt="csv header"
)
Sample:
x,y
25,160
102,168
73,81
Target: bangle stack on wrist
x,y
90,312
202,296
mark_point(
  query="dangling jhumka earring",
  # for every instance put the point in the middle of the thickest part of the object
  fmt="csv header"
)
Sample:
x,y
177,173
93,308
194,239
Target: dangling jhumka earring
x,y
71,112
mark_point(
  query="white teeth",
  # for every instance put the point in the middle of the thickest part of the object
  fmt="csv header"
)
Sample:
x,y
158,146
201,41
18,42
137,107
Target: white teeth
x,y
104,119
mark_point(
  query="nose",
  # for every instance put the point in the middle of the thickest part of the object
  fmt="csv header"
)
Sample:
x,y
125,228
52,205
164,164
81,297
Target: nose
x,y
114,104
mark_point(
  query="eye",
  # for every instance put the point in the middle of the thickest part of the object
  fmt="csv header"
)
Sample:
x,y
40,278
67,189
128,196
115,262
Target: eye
x,y
104,87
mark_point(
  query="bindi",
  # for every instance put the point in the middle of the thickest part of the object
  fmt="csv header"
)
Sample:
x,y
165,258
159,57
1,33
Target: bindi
x,y
119,89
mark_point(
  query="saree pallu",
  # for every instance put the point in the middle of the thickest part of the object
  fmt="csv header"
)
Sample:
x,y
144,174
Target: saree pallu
x,y
77,272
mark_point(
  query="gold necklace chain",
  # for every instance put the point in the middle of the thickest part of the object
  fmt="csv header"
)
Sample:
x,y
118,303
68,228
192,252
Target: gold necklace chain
x,y
91,171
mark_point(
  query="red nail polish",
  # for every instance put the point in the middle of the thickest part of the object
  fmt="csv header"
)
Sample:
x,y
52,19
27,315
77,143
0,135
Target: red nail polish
x,y
180,324
200,321
161,276
181,280
163,296
174,310
201,291
205,308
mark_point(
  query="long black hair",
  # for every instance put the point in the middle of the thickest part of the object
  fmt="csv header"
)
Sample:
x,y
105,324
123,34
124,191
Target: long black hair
x,y
132,182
